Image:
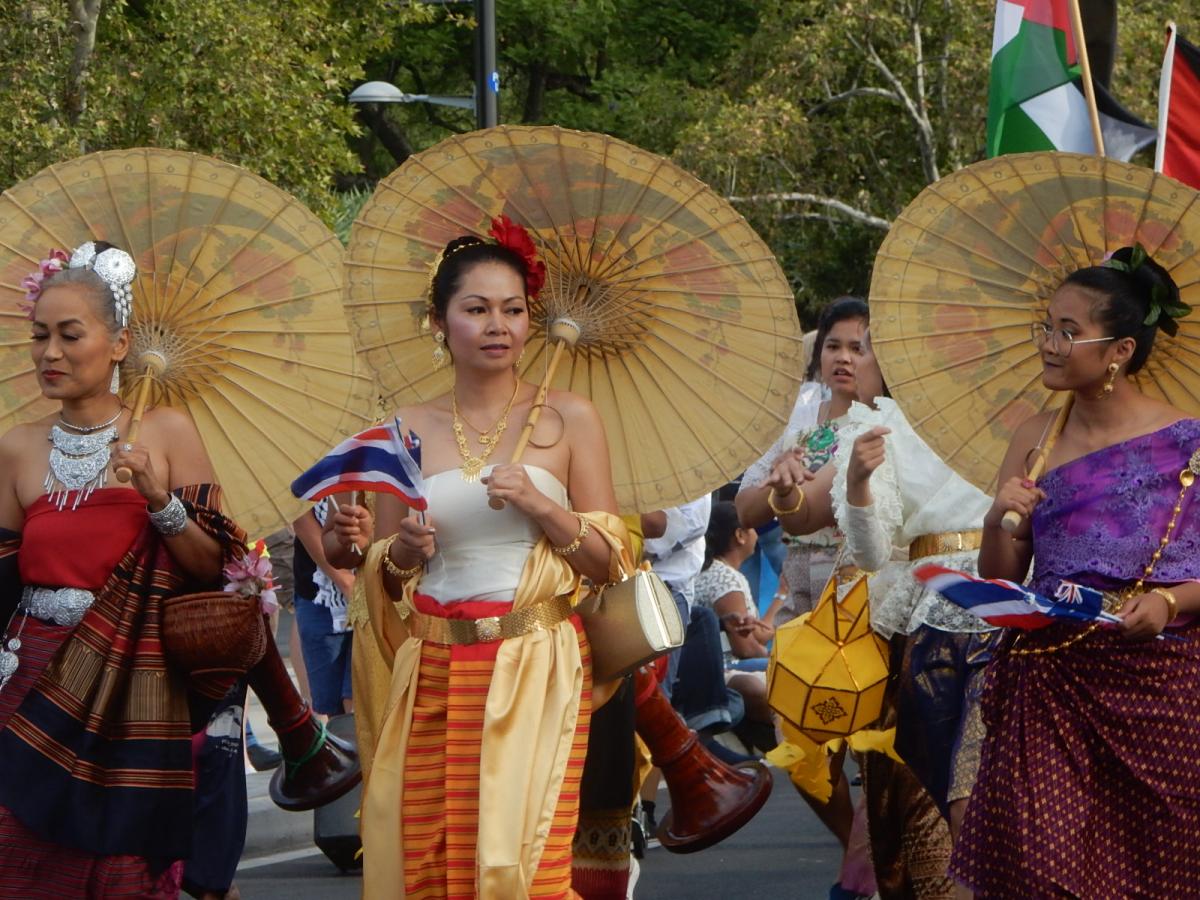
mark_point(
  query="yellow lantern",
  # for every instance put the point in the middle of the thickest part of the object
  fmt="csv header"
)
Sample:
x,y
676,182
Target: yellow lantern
x,y
828,670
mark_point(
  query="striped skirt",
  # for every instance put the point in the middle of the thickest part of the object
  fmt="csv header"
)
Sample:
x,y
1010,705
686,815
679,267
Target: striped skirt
x,y
441,777
33,867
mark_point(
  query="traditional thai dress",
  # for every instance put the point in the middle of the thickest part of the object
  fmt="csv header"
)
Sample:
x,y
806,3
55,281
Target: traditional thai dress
x,y
95,734
922,511
810,557
1088,784
474,757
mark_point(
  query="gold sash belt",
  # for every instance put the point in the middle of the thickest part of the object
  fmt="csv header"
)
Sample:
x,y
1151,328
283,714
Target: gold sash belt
x,y
945,542
537,617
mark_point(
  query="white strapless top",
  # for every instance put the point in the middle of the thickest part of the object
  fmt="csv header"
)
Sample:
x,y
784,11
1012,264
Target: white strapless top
x,y
480,551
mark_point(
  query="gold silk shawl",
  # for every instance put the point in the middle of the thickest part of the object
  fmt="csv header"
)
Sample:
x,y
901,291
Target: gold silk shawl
x,y
528,728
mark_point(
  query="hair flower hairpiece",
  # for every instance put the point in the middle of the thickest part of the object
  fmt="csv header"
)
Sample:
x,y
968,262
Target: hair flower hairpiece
x,y
508,233
56,261
1163,309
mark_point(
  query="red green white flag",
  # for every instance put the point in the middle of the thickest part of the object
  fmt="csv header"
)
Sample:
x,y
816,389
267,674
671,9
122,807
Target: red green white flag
x,y
1035,100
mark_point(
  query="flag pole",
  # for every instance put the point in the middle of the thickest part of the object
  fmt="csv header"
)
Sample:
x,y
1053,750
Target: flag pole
x,y
1164,98
1089,90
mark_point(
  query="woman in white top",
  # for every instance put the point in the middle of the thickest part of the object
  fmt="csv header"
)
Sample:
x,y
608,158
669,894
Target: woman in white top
x,y
803,455
723,588
485,719
897,503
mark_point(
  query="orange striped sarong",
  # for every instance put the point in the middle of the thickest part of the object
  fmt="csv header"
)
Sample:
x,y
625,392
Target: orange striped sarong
x,y
440,808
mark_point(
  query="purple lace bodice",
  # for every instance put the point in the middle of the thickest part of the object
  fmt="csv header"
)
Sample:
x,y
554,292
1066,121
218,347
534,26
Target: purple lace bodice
x,y
1105,514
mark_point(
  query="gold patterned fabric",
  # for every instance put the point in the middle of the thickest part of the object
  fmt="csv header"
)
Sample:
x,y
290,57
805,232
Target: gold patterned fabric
x,y
527,735
909,838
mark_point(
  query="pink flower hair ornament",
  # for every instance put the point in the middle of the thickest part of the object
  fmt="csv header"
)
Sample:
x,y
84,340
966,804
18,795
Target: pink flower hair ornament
x,y
33,283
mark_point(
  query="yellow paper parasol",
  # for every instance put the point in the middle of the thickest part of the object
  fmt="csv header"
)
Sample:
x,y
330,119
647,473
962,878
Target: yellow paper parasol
x,y
970,265
238,287
689,343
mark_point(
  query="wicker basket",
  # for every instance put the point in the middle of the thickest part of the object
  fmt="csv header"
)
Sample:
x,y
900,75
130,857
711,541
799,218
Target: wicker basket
x,y
214,633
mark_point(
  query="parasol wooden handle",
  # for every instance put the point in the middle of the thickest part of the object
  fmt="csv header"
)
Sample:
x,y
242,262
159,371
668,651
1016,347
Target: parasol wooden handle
x,y
565,333
1012,519
153,364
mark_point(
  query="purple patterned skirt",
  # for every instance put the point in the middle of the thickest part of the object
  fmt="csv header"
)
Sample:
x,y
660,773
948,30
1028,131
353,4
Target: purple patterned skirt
x,y
1089,783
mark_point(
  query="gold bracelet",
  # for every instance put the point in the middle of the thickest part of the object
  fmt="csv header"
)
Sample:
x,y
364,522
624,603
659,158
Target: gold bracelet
x,y
395,570
771,502
584,528
1172,602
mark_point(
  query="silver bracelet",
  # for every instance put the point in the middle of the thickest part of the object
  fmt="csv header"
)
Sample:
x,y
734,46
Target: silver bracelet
x,y
171,520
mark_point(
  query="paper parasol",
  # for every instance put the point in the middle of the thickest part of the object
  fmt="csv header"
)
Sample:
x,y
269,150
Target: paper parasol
x,y
689,344
238,286
970,265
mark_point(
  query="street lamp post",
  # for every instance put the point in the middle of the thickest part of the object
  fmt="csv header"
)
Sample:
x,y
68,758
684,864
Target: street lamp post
x,y
487,77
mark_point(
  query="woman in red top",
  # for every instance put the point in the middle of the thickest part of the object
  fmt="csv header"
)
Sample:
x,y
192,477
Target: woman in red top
x,y
96,798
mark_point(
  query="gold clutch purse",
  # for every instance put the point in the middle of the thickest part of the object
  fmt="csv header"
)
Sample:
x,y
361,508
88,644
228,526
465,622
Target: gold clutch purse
x,y
629,623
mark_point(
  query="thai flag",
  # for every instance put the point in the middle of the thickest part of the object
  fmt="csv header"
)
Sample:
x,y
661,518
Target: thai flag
x,y
378,459
1010,605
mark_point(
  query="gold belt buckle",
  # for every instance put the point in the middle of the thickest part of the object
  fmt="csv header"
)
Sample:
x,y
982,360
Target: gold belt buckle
x,y
487,628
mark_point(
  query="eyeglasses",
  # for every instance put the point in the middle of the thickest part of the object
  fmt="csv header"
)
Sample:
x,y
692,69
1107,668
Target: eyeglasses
x,y
1059,339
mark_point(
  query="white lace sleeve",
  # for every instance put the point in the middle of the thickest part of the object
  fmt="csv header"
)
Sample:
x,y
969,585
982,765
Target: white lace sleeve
x,y
803,417
871,530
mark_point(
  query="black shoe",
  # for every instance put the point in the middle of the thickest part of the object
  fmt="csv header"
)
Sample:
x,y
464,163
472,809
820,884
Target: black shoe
x,y
647,824
262,758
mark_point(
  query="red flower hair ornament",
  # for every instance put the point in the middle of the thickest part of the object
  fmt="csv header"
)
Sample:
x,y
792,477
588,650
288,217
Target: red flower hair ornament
x,y
508,233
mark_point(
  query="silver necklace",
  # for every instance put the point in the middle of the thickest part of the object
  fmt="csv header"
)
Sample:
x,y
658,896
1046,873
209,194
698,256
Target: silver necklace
x,y
89,429
79,463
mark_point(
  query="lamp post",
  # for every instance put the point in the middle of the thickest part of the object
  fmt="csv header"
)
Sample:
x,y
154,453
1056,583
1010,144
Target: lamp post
x,y
487,77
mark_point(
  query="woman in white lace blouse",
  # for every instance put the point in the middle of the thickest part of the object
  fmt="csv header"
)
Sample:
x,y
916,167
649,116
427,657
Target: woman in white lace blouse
x,y
899,504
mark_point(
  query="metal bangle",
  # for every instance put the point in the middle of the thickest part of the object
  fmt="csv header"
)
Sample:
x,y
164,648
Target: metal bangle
x,y
1172,602
584,528
171,520
395,570
772,502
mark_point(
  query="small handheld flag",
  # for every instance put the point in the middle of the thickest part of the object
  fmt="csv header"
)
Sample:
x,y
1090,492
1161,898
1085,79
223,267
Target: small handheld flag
x,y
379,459
1010,605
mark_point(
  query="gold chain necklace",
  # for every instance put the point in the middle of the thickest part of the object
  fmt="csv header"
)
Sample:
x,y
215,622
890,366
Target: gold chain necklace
x,y
473,465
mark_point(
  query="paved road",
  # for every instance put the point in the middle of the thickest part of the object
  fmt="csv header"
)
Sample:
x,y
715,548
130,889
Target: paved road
x,y
783,853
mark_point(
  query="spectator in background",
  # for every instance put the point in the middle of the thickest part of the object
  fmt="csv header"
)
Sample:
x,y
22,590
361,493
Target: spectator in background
x,y
722,588
677,554
321,594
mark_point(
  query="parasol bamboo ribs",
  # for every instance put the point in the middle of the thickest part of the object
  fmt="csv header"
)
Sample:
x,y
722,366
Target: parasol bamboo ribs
x,y
153,365
1012,519
565,333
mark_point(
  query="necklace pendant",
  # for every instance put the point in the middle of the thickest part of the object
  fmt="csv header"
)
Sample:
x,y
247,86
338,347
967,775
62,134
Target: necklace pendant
x,y
471,468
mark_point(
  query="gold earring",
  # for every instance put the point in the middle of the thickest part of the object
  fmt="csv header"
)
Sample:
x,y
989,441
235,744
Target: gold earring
x,y
439,349
520,359
1113,369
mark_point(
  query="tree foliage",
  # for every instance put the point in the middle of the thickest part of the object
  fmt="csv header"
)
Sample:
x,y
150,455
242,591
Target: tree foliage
x,y
821,119
257,84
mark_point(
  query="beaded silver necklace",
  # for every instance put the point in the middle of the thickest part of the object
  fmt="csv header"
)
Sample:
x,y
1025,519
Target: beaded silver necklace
x,y
79,463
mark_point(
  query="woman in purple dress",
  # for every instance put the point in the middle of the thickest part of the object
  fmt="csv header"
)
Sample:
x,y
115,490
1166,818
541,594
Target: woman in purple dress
x,y
1087,786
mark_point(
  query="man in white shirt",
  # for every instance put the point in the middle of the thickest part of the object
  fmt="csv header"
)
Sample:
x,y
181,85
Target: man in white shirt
x,y
678,555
